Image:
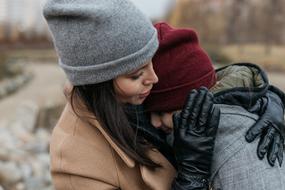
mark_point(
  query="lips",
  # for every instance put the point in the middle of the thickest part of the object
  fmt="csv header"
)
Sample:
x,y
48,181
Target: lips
x,y
144,95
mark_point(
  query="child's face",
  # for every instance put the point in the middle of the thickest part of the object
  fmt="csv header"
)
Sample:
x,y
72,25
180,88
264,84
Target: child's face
x,y
133,88
162,121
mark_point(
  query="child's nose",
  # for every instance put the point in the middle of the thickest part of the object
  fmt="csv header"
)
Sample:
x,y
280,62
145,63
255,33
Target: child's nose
x,y
156,121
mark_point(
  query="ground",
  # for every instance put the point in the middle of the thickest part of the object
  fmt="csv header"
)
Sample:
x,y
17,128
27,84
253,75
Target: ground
x,y
45,88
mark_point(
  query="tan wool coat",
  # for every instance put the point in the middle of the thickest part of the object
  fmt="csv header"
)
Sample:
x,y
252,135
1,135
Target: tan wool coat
x,y
84,157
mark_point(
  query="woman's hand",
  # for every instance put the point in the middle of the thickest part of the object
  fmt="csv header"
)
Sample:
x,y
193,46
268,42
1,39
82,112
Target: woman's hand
x,y
195,130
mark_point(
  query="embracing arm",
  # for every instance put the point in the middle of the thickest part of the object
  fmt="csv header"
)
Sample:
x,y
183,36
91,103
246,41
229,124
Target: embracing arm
x,y
270,127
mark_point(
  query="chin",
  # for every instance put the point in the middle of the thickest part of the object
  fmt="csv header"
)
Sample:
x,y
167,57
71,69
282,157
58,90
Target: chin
x,y
137,102
134,101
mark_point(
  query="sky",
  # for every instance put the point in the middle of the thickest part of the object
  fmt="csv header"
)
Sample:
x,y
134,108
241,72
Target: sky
x,y
154,9
26,14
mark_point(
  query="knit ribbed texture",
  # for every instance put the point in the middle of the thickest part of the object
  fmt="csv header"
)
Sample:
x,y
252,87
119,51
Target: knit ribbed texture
x,y
181,66
98,40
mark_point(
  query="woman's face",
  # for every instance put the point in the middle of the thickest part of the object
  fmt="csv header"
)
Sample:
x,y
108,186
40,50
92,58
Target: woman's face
x,y
134,87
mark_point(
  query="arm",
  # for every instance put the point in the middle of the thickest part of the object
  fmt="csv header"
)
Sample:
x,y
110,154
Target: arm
x,y
270,126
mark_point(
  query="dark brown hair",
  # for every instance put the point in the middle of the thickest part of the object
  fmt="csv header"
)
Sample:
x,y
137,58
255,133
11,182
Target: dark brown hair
x,y
101,101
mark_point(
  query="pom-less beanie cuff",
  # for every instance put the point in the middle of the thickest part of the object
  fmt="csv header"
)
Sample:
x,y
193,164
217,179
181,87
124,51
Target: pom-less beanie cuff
x,y
172,99
98,40
81,75
181,66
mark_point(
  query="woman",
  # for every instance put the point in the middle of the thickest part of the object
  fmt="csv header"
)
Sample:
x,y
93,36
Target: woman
x,y
105,48
241,93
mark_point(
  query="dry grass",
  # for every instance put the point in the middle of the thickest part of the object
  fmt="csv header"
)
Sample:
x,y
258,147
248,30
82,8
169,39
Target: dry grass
x,y
40,55
274,61
10,56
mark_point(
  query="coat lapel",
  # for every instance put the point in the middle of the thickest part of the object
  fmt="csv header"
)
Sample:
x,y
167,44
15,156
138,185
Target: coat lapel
x,y
161,178
158,179
129,161
89,118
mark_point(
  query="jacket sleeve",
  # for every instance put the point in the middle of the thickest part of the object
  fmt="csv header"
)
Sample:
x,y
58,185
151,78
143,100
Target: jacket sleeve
x,y
236,165
245,171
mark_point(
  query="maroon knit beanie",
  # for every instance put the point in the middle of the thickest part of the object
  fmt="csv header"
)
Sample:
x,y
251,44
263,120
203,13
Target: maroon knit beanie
x,y
181,65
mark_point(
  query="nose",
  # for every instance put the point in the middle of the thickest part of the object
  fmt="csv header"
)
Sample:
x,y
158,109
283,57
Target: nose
x,y
155,120
151,77
166,119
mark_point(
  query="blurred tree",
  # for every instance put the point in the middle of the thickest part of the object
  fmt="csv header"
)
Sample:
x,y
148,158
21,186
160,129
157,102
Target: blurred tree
x,y
233,21
273,23
237,17
206,16
254,22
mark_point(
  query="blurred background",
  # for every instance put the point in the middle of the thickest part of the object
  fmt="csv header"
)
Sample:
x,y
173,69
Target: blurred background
x,y
31,82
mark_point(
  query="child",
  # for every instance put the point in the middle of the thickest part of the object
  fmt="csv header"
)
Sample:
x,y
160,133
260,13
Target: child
x,y
241,93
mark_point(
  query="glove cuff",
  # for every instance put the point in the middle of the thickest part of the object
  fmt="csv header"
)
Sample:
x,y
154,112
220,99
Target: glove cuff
x,y
279,92
192,181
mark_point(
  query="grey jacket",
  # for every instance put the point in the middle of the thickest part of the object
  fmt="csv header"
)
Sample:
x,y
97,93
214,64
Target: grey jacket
x,y
235,163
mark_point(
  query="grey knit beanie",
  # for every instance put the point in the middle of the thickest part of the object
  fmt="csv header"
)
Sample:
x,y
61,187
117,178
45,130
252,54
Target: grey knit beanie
x,y
98,40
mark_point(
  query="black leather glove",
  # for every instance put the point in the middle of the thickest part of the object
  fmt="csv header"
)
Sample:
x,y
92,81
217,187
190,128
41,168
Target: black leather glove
x,y
270,127
195,130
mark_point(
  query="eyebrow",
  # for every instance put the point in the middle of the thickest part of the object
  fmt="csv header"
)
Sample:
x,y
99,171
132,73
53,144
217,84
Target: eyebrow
x,y
134,72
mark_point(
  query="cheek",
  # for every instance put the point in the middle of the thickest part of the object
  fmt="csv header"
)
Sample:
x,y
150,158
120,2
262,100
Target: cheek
x,y
131,90
127,88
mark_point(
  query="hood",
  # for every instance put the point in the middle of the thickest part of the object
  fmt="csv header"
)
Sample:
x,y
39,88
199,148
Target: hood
x,y
240,84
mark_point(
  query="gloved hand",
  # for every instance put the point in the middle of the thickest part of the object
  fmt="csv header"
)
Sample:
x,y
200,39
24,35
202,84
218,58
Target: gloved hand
x,y
195,130
270,127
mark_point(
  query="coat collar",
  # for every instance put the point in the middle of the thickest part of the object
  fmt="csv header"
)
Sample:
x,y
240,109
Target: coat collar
x,y
128,160
158,179
91,120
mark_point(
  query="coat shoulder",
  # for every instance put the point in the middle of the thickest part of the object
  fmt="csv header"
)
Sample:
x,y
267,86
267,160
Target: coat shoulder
x,y
235,163
234,122
79,149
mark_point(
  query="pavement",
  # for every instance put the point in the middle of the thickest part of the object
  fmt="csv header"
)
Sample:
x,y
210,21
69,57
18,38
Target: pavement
x,y
45,88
